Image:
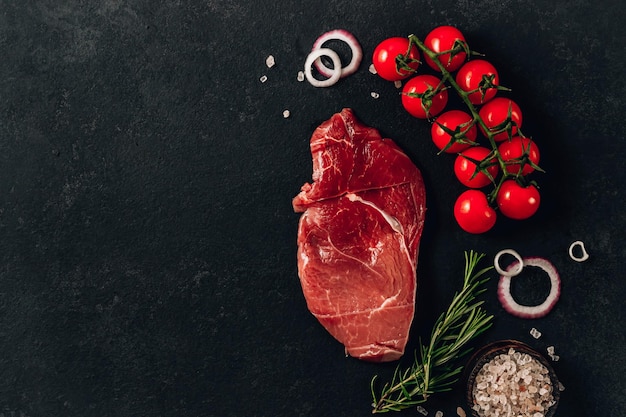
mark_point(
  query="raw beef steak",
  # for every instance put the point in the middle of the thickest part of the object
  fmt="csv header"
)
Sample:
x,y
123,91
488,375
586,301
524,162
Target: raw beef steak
x,y
358,237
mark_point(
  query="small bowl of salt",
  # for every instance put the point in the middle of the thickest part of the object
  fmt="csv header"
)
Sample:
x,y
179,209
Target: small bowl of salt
x,y
508,377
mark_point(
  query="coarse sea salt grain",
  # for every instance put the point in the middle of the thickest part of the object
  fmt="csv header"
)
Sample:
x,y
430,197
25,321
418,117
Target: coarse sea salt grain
x,y
374,94
513,384
421,410
300,76
439,413
263,78
270,61
535,333
286,114
372,69
397,84
460,412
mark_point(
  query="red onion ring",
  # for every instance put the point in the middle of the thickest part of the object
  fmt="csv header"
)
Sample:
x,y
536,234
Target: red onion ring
x,y
585,254
334,77
508,273
530,312
353,44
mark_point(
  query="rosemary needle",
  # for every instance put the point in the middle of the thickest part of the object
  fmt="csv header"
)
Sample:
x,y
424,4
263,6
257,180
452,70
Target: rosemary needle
x,y
434,368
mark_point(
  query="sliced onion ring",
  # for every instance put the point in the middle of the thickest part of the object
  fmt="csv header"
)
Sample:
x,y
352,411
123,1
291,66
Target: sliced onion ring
x,y
513,271
334,77
530,312
585,254
353,44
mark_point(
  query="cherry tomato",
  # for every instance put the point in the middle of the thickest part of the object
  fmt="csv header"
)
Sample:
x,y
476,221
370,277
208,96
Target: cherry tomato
x,y
432,96
465,167
517,202
516,148
385,54
495,114
456,121
480,77
473,213
446,38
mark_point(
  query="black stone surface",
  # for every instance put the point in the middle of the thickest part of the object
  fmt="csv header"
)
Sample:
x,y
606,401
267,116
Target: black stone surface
x,y
147,240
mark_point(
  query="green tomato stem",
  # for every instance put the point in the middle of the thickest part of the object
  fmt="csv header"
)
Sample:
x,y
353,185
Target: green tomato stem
x,y
464,95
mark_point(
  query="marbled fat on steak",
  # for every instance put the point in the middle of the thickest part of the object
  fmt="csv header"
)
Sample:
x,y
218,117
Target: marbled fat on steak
x,y
358,237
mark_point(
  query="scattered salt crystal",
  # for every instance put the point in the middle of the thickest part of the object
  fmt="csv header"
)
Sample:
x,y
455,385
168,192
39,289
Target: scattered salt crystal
x,y
535,333
439,413
397,84
460,412
555,358
561,387
300,76
286,114
421,410
263,78
270,61
372,69
374,94
550,350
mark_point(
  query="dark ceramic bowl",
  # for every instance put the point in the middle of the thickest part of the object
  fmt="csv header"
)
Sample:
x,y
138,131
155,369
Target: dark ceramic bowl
x,y
488,352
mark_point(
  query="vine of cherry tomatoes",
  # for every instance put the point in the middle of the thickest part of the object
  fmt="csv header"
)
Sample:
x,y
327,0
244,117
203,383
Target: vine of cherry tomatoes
x,y
486,135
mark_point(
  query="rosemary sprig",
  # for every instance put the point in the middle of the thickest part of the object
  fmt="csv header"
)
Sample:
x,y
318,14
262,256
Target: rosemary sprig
x,y
434,368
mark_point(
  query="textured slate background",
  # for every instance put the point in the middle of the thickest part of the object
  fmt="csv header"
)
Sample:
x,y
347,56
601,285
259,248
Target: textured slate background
x,y
147,241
